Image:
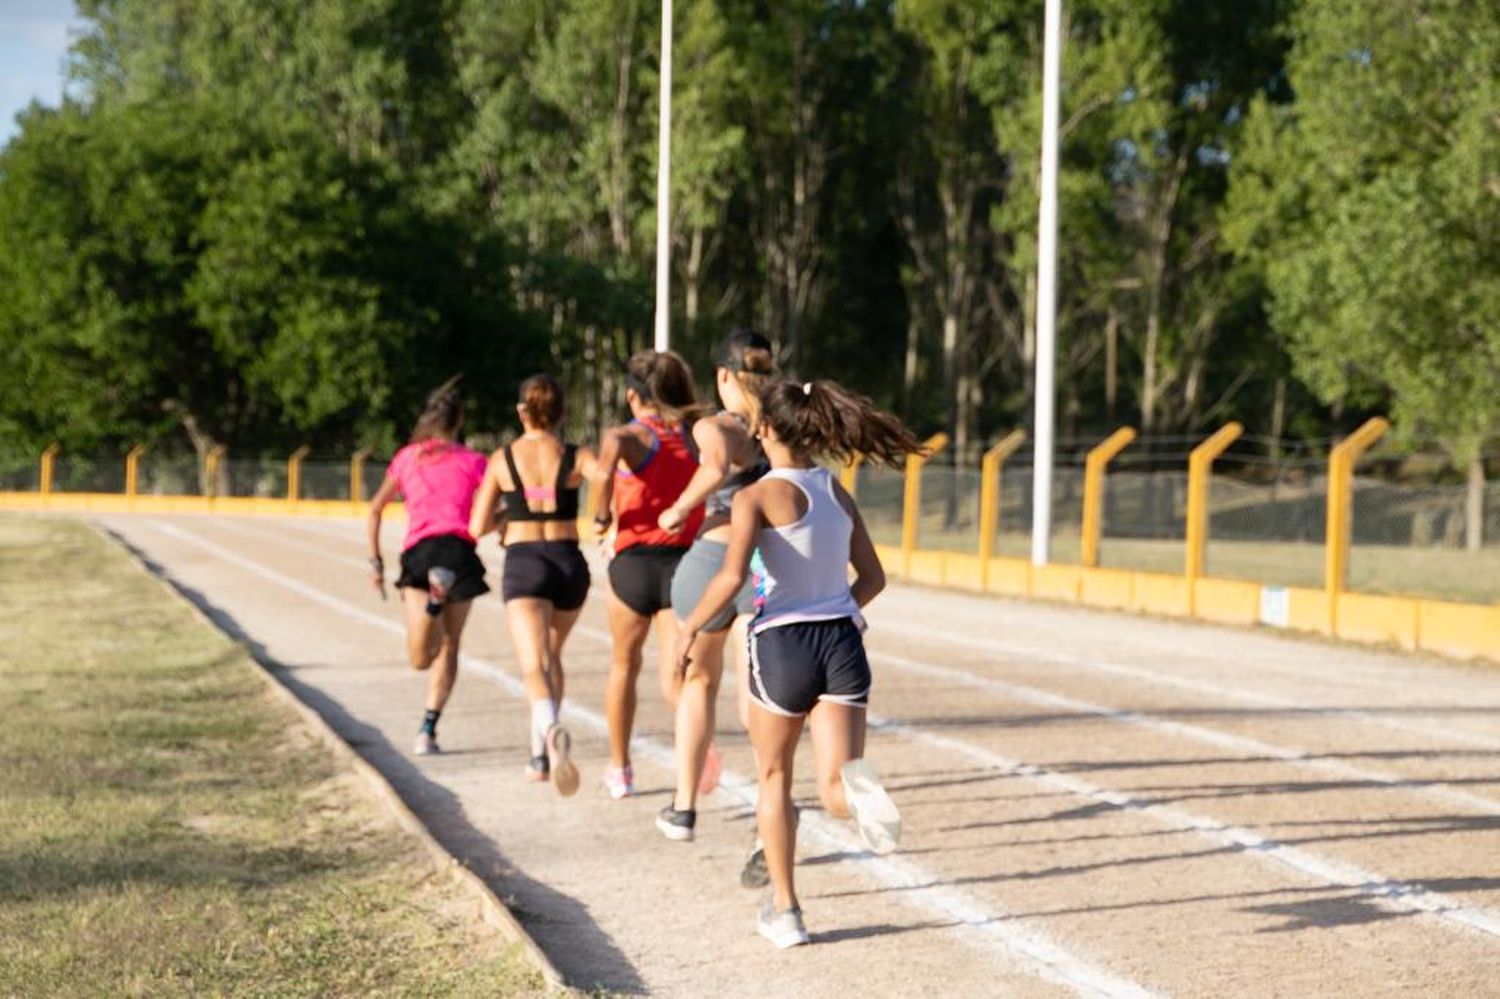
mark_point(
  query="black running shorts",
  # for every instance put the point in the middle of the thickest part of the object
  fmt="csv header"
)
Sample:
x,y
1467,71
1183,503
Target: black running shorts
x,y
794,666
446,551
641,577
555,571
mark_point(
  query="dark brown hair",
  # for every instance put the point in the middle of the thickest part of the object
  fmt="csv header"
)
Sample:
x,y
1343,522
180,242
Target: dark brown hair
x,y
825,419
443,413
662,379
748,356
542,400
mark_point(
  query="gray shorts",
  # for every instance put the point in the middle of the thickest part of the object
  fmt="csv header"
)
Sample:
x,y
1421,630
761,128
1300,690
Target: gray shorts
x,y
697,567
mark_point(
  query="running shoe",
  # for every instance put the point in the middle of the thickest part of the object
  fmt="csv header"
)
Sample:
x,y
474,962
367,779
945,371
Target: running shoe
x,y
874,813
784,929
755,874
619,782
677,824
439,582
564,772
713,769
537,769
426,744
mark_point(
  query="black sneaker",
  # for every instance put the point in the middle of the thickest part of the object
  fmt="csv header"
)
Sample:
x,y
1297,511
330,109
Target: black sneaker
x,y
675,824
754,873
538,769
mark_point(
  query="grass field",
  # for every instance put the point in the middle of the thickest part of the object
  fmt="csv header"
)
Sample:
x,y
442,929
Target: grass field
x,y
169,829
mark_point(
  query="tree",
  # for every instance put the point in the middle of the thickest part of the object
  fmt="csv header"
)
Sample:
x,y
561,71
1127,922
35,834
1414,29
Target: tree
x,y
1370,205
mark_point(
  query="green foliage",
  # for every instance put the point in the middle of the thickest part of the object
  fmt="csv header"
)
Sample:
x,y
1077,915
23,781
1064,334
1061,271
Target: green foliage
x,y
1370,205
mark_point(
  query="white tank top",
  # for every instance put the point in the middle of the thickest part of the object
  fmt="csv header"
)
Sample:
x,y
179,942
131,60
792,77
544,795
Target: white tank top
x,y
801,571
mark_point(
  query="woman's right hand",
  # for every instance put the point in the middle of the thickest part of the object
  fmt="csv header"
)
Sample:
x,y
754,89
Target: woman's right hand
x,y
377,575
671,519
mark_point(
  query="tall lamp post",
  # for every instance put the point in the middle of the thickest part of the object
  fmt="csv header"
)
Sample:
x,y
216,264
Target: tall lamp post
x,y
664,186
1046,292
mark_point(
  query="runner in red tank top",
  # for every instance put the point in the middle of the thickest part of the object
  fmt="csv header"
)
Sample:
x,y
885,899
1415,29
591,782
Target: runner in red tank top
x,y
653,459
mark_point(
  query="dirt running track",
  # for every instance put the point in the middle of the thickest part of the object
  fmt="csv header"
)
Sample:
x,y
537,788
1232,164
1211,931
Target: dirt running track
x,y
1093,804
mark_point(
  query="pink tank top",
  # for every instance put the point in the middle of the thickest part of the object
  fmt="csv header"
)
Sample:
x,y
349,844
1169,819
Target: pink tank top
x,y
438,480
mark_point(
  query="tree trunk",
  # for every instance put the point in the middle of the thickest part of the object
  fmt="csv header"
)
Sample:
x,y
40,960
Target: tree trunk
x,y
909,371
1474,507
694,278
1278,417
1111,362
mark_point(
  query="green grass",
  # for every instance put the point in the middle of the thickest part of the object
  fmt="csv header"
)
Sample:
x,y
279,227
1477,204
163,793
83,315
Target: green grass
x,y
168,829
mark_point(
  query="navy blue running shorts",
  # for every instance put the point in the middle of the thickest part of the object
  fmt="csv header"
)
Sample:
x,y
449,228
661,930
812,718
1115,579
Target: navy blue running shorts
x,y
794,666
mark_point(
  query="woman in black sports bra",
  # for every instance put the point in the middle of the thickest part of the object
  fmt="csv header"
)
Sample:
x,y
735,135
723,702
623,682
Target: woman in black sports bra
x,y
535,479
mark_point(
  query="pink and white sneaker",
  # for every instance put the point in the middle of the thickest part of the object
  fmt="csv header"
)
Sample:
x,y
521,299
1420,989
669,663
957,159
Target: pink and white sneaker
x,y
713,769
619,782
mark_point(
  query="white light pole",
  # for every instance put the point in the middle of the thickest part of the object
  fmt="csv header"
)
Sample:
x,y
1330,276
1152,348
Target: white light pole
x,y
1046,292
664,186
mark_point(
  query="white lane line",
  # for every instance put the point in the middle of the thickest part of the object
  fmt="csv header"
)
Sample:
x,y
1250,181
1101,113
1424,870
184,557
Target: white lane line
x,y
1392,893
1015,650
1194,733
919,885
1302,758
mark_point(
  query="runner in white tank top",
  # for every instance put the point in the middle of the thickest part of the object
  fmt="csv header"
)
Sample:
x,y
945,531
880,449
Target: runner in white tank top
x,y
807,658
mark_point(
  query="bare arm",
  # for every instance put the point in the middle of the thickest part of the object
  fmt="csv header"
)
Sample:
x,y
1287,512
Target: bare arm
x,y
619,444
869,574
713,469
745,521
482,515
383,495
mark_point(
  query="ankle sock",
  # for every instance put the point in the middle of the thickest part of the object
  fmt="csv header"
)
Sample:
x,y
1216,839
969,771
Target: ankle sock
x,y
429,722
543,717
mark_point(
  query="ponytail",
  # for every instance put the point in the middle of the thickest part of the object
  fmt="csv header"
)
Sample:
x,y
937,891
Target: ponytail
x,y
663,379
748,356
442,414
825,419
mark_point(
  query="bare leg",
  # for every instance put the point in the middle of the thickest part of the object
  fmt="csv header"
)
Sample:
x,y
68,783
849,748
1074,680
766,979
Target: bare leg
x,y
774,738
424,633
440,681
530,621
629,631
695,713
557,634
666,669
838,735
739,641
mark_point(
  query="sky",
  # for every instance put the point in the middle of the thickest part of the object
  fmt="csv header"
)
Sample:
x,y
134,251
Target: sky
x,y
33,41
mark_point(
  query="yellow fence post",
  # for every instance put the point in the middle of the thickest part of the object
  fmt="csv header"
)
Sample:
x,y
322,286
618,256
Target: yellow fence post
x,y
911,499
357,475
1200,470
44,474
849,475
211,464
989,498
1340,486
294,473
1093,490
132,470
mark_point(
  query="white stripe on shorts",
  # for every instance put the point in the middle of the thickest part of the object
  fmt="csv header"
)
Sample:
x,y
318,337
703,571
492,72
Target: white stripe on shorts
x,y
761,697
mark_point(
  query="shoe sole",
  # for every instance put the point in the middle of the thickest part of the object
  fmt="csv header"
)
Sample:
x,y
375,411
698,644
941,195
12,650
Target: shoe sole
x,y
425,751
780,944
675,833
564,772
876,815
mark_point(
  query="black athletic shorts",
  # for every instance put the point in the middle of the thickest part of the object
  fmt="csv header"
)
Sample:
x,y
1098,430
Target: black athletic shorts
x,y
794,666
641,577
446,551
555,571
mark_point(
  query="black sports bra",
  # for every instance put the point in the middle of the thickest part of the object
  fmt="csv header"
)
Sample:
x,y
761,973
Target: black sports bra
x,y
518,510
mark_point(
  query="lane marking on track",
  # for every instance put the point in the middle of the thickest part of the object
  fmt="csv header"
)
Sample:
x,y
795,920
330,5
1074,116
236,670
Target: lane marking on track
x,y
1193,733
1435,789
1157,678
918,885
1392,893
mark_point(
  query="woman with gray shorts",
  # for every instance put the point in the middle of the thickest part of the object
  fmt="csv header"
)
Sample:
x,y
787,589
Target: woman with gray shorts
x,y
729,459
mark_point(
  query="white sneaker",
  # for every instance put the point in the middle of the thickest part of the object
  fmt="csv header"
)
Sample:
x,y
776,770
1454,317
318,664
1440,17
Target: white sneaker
x,y
873,811
426,744
619,782
784,929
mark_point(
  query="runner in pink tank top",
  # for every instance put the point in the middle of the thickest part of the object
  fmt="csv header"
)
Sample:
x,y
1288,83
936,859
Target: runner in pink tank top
x,y
440,572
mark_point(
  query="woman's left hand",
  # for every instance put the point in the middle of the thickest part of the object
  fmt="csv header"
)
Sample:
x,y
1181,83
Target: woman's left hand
x,y
671,519
680,657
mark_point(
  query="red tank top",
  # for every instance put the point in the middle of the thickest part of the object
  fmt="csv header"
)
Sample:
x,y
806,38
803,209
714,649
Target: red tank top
x,y
641,495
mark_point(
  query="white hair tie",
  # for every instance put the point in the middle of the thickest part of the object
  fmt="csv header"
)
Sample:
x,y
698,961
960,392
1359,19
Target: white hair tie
x,y
807,388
